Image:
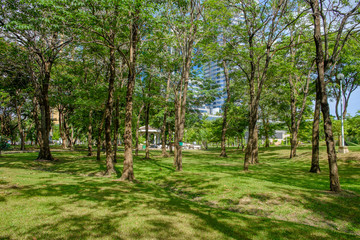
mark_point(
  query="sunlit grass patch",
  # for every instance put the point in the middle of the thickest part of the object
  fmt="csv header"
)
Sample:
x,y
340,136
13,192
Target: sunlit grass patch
x,y
211,199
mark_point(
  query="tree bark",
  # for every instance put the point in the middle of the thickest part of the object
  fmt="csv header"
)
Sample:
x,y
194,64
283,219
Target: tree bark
x,y
333,169
226,106
110,168
69,138
315,165
128,171
44,153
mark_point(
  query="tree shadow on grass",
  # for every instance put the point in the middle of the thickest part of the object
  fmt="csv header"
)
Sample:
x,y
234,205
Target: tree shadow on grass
x,y
97,208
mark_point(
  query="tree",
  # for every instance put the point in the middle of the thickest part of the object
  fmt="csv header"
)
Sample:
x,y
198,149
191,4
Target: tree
x,y
179,14
28,24
324,59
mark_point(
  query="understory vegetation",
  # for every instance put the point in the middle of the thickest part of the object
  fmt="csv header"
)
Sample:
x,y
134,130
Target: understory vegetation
x,y
211,199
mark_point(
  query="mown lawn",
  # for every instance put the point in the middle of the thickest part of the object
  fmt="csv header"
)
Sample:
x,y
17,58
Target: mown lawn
x,y
211,199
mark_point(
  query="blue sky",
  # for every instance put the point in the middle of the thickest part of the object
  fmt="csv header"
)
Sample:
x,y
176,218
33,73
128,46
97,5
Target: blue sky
x,y
354,103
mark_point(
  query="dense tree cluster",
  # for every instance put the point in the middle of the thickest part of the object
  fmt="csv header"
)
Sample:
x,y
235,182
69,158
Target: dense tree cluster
x,y
108,67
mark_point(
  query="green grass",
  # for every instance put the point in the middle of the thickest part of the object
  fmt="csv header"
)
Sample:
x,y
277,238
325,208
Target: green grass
x,y
211,199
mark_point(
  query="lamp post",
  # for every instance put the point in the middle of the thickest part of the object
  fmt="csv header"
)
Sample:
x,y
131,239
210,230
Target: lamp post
x,y
342,147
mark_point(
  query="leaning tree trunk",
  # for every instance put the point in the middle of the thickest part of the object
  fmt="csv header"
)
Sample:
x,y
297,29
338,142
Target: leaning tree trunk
x,y
110,168
333,169
90,134
44,153
226,106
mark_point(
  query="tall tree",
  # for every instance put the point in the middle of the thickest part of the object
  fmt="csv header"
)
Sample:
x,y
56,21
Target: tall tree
x,y
28,23
322,11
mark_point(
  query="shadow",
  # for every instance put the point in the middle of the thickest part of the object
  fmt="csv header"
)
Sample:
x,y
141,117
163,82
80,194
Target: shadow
x,y
211,199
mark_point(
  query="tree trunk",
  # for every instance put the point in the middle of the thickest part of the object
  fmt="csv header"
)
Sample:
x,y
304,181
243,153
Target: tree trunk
x,y
333,169
128,171
163,128
44,153
68,135
225,123
251,147
38,139
90,134
137,131
255,148
110,169
293,129
61,127
21,131
315,165
147,113
170,139
116,127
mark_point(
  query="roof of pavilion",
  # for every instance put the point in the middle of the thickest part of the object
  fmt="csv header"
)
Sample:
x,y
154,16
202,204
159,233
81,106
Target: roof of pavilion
x,y
151,130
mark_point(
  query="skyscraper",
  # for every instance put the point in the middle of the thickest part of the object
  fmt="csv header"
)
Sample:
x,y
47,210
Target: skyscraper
x,y
213,71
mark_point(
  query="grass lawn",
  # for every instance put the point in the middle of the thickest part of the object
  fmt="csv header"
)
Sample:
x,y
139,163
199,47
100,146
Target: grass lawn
x,y
211,199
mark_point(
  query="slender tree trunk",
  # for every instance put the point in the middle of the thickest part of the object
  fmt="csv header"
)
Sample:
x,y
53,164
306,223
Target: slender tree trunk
x,y
315,165
128,171
116,127
45,153
333,169
176,136
68,135
147,113
21,131
110,168
293,139
61,127
38,139
226,106
163,128
170,139
255,148
252,141
90,134
137,131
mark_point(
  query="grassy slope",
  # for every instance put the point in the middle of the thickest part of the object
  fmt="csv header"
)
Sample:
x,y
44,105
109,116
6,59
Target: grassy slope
x,y
211,199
